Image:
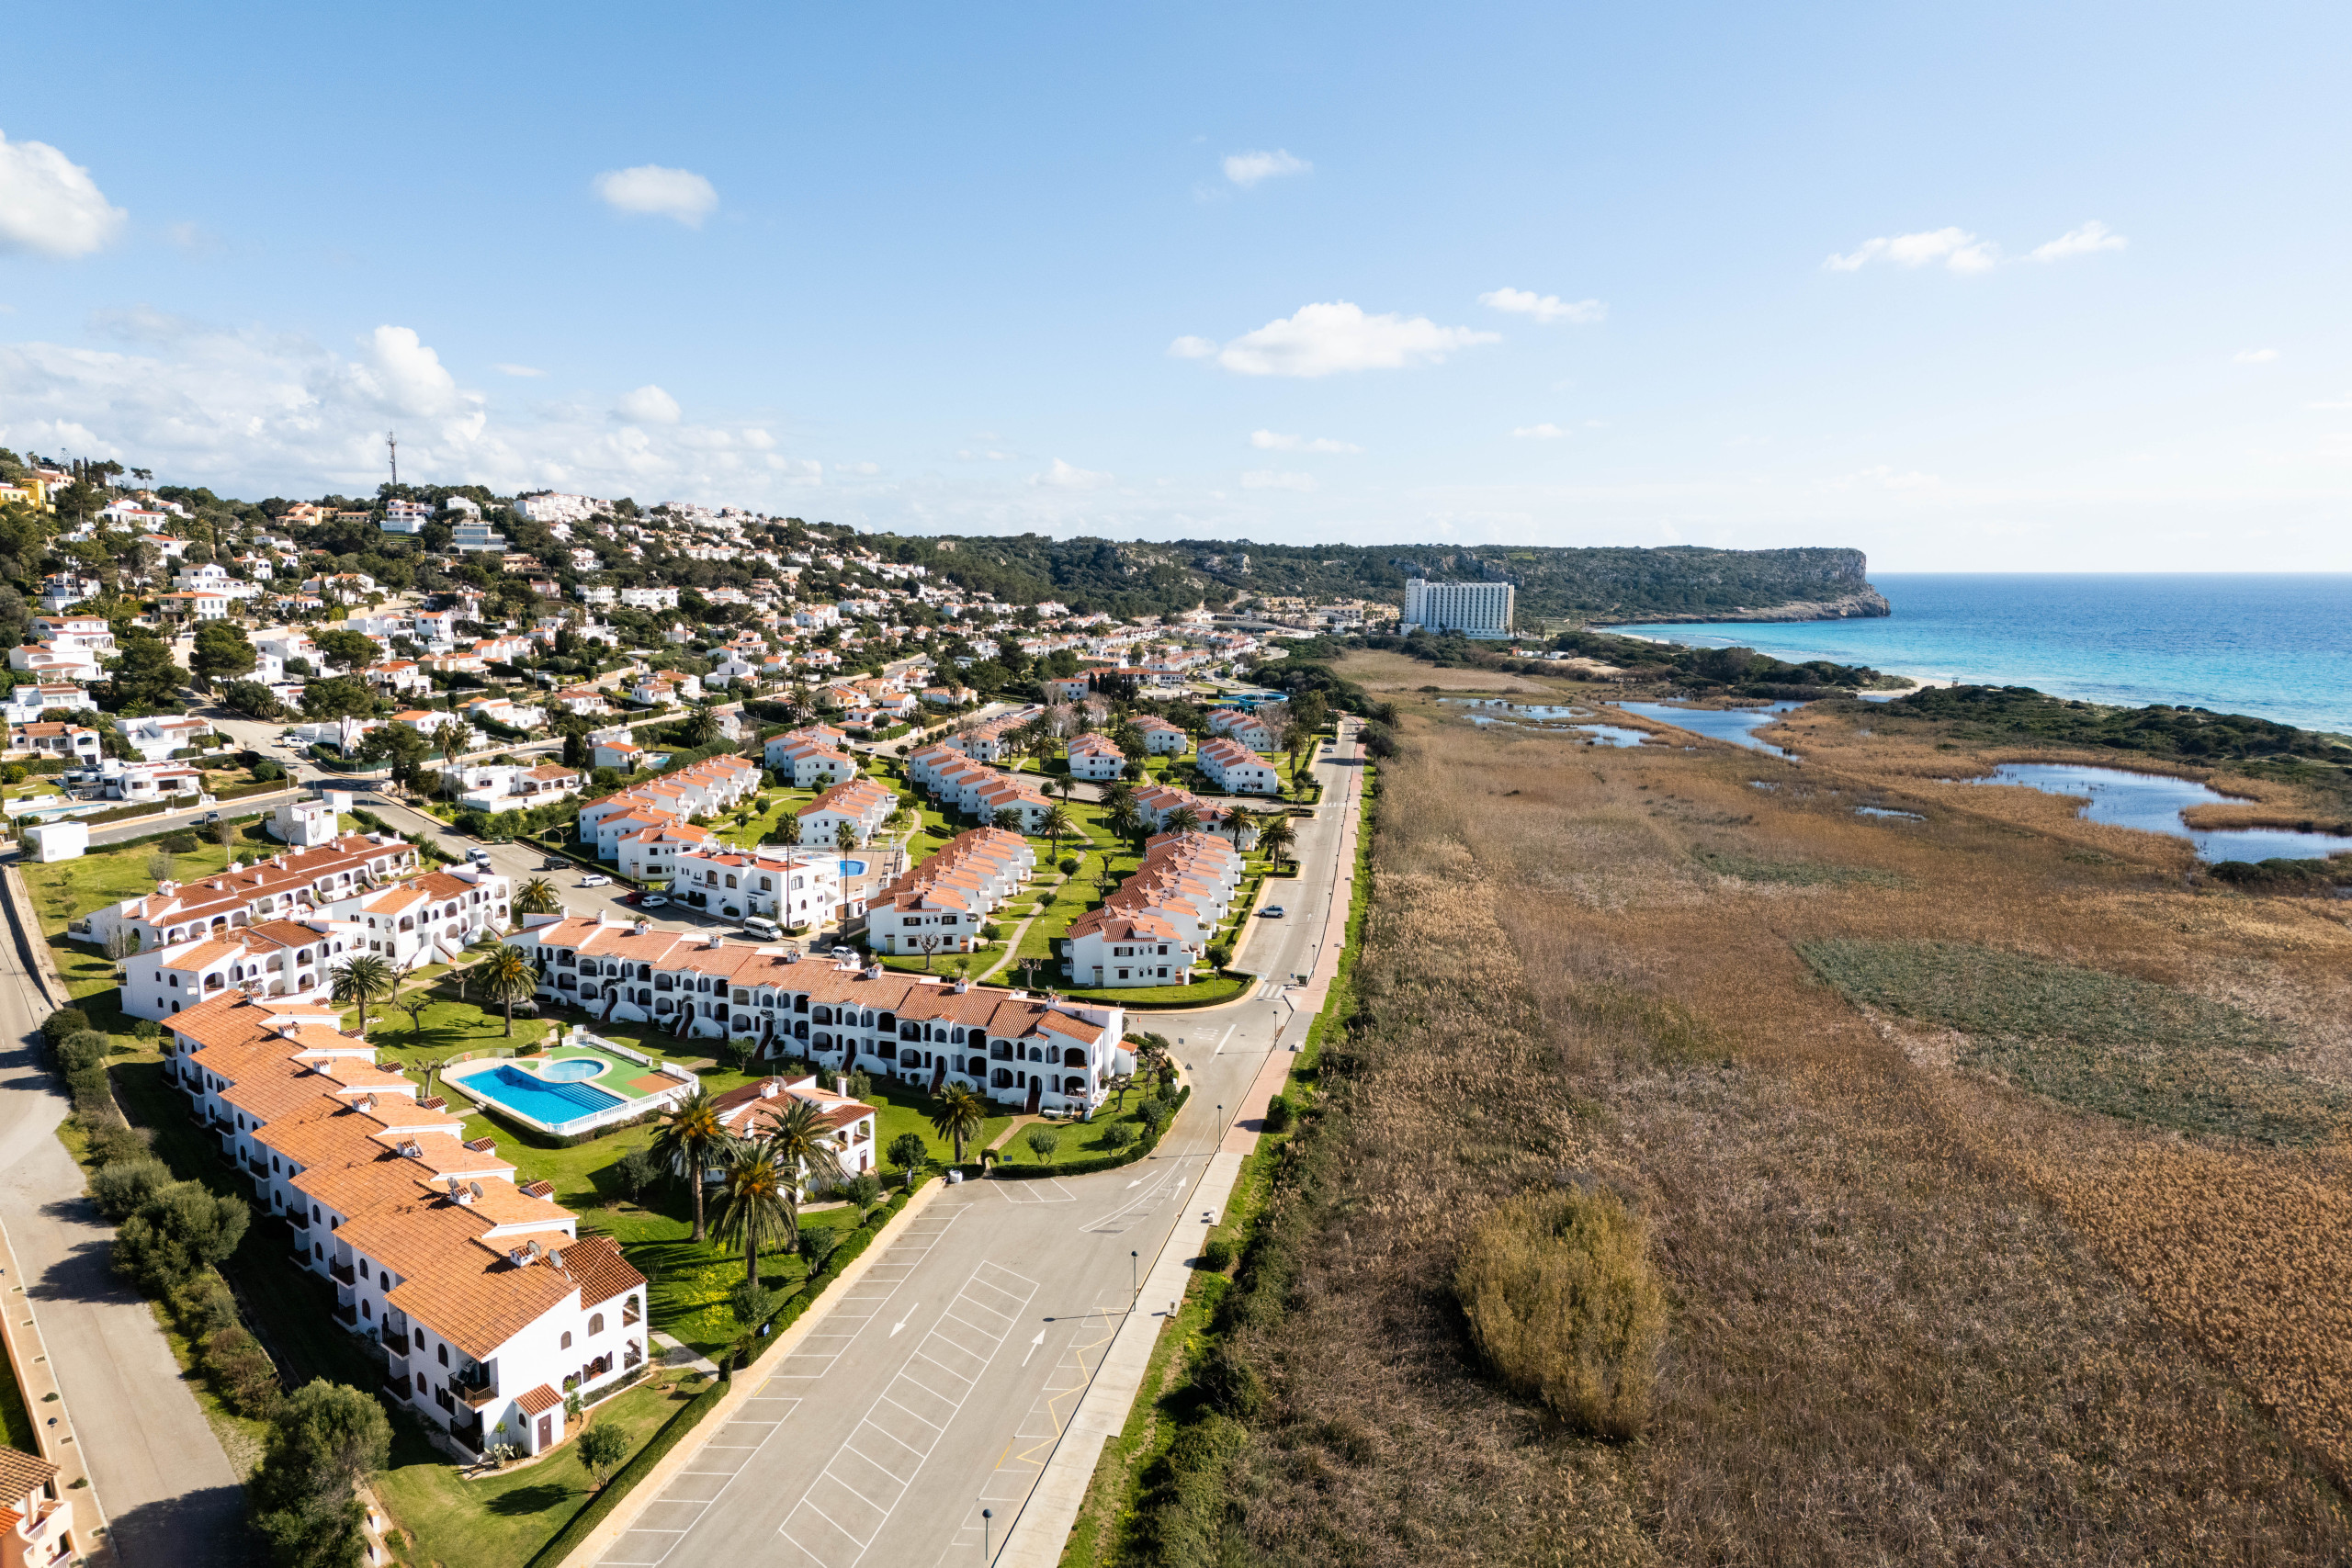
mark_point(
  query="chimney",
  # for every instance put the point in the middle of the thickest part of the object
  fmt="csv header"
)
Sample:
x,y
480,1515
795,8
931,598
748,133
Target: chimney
x,y
962,984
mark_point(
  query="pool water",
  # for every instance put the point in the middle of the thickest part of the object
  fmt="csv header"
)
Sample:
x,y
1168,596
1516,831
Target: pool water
x,y
2154,802
548,1104
1737,726
852,868
571,1069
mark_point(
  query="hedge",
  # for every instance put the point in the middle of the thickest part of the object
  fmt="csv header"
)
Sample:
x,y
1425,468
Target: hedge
x,y
1089,1166
674,1432
598,1507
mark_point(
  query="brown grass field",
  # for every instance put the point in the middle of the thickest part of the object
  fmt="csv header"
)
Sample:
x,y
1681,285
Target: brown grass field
x,y
1924,1307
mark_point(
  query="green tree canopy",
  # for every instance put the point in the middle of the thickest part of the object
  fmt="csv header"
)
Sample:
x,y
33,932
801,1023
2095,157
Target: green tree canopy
x,y
221,653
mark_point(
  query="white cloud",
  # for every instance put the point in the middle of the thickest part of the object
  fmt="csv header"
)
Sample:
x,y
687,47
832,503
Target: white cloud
x,y
2255,355
523,370
1063,476
2092,236
1546,432
1274,441
49,205
2337,405
649,405
1545,308
1276,479
986,454
666,193
1955,248
405,376
256,413
1319,340
1246,169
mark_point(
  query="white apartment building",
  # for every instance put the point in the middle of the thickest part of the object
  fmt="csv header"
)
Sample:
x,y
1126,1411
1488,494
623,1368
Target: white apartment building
x,y
404,517
1474,609
484,1301
1096,758
950,896
1236,770
1011,1047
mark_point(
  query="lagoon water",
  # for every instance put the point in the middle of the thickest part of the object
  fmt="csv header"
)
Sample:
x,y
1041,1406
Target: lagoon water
x,y
2276,646
1737,726
2154,802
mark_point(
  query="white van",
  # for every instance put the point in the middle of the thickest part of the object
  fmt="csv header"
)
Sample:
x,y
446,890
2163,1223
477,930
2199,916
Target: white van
x,y
762,927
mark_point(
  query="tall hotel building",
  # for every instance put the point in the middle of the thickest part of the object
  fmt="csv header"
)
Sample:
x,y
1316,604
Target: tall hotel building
x,y
1474,609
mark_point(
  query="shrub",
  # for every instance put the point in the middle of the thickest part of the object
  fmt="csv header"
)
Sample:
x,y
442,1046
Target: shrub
x,y
204,1307
602,1450
178,844
146,1029
1278,1114
1153,1114
1043,1141
1218,1255
112,1142
82,1049
752,1302
182,1228
1229,1383
1564,1303
817,1244
63,1023
92,1096
121,1189
1070,864
863,1189
243,1371
1118,1134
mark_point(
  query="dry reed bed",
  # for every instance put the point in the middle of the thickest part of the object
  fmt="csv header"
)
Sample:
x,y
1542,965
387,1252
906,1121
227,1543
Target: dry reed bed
x,y
1897,1337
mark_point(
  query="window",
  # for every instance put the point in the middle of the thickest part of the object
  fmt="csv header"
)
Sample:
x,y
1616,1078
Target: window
x,y
444,1352
566,1343
595,1324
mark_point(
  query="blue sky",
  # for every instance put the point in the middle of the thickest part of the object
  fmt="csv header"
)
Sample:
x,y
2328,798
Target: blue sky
x,y
2016,287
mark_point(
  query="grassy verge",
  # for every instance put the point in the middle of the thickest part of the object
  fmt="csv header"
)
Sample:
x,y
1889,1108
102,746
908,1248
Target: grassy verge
x,y
17,1428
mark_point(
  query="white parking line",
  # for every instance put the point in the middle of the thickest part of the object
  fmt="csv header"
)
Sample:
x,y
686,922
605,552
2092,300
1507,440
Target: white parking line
x,y
825,1526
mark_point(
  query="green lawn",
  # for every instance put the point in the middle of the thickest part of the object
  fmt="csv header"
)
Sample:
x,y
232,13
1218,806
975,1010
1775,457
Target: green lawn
x,y
17,1428
503,1519
1222,987
1076,1140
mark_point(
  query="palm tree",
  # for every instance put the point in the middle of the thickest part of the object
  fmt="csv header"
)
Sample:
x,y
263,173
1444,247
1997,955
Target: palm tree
x,y
1183,819
691,1140
757,1206
1277,840
1057,825
537,896
1120,797
449,740
805,1155
956,1116
508,977
362,978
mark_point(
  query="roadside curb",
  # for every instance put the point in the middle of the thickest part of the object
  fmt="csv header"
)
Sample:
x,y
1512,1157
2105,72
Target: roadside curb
x,y
36,1383
747,1381
29,942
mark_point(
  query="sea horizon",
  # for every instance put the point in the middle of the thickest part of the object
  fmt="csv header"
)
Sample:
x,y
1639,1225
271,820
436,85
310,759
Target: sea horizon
x,y
2275,645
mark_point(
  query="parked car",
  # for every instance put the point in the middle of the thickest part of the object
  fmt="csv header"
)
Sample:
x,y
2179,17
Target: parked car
x,y
209,816
652,901
1271,913
553,863
594,880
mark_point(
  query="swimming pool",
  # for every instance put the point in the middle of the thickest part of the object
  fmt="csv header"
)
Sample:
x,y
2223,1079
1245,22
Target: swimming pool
x,y
552,1105
852,868
571,1069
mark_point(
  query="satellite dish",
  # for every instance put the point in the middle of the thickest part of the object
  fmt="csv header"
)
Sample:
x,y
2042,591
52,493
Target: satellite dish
x,y
475,1188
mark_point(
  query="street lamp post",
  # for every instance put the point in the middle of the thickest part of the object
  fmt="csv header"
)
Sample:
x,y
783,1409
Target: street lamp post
x,y
986,1515
1134,1271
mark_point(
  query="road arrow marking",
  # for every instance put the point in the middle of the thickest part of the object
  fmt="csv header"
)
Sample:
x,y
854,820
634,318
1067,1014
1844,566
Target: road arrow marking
x,y
906,1320
1033,1346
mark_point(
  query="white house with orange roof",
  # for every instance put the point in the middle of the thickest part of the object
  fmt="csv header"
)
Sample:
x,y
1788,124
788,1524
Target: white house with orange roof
x,y
860,802
811,756
791,887
753,1110
951,895
514,787
294,886
1236,770
1163,738
1156,925
1242,726
1096,758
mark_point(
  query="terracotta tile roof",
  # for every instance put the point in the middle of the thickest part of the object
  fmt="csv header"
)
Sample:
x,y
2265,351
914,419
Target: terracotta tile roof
x,y
466,1289
596,1262
539,1399
21,1472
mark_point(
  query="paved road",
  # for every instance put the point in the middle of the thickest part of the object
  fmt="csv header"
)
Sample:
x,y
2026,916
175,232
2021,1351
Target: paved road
x,y
169,1490
938,1385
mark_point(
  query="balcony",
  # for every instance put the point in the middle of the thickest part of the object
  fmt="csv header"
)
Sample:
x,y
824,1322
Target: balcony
x,y
346,1315
476,1394
340,1273
259,1167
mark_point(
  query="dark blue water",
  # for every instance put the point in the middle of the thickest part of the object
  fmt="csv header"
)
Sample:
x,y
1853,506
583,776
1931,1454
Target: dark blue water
x,y
1737,726
2278,647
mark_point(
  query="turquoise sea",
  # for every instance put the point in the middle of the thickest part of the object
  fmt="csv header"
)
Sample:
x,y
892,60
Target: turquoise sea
x,y
2276,646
